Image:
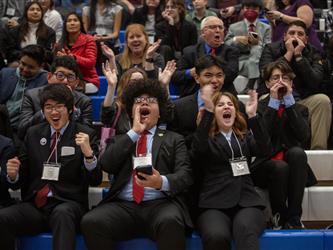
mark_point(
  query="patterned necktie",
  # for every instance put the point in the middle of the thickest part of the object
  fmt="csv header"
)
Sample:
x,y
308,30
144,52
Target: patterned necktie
x,y
141,150
281,110
41,196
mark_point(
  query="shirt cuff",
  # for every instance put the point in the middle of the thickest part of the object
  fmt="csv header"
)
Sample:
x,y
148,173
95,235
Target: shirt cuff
x,y
90,165
165,184
289,100
274,103
14,181
133,135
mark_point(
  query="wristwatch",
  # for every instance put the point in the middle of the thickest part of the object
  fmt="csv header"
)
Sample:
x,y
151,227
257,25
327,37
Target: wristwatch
x,y
150,60
90,157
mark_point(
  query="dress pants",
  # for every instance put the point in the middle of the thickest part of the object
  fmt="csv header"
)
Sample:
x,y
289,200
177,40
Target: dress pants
x,y
285,180
219,226
63,218
160,220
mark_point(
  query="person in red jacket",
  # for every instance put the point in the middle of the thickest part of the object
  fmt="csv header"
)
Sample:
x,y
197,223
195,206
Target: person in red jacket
x,y
75,42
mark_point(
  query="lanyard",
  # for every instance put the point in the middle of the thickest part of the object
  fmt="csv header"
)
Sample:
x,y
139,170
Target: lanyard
x,y
54,150
232,151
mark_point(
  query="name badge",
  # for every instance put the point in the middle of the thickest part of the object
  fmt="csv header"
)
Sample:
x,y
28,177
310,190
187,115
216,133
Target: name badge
x,y
142,161
65,151
10,12
51,171
239,167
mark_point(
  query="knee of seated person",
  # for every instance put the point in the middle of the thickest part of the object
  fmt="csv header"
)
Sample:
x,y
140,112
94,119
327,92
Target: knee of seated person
x,y
297,152
89,223
62,211
322,100
169,220
216,238
281,168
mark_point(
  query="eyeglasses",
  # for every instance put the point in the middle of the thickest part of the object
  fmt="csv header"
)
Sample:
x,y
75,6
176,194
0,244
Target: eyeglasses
x,y
170,7
276,78
213,27
58,108
145,99
61,76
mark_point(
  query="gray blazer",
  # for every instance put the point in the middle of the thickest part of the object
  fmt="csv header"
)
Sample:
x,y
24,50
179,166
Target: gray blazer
x,y
249,55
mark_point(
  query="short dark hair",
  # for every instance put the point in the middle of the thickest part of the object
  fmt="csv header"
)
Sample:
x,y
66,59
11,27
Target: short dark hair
x,y
208,61
67,62
59,93
150,87
280,64
34,51
252,3
298,23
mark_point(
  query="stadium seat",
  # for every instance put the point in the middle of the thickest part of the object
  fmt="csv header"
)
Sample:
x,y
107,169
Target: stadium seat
x,y
103,86
96,106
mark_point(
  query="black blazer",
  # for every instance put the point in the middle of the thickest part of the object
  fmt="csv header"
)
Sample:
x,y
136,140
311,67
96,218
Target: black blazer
x,y
74,178
7,151
291,130
220,189
186,34
169,157
31,115
192,53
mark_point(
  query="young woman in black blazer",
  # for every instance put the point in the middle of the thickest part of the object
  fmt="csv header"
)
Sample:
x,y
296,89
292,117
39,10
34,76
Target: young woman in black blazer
x,y
230,206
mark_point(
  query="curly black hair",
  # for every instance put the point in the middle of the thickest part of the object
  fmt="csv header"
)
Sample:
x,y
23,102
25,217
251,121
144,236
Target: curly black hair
x,y
149,87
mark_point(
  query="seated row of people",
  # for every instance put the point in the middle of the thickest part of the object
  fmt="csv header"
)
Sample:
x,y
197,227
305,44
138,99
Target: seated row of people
x,y
53,172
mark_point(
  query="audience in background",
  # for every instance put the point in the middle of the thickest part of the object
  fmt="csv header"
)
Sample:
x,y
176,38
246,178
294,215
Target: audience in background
x,y
174,31
211,42
249,36
52,17
82,47
149,15
285,171
307,64
15,81
199,12
30,30
289,11
11,11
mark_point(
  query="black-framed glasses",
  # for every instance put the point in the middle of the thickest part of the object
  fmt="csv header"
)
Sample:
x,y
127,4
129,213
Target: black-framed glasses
x,y
58,108
145,99
61,76
276,78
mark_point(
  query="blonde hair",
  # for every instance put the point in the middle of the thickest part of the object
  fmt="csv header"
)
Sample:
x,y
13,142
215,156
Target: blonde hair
x,y
126,58
239,127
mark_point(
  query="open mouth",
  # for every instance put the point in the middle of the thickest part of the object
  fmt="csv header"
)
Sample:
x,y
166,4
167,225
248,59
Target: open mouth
x,y
144,112
226,115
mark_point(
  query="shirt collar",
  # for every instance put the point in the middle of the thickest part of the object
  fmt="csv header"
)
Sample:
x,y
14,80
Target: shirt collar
x,y
248,23
152,130
62,130
227,135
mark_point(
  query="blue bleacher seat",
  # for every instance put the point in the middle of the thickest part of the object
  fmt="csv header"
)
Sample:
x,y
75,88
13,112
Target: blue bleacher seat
x,y
270,240
103,86
96,106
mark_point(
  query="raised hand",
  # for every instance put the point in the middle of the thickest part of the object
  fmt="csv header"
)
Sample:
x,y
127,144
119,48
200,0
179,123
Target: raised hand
x,y
82,140
207,93
152,49
138,126
165,76
251,105
110,74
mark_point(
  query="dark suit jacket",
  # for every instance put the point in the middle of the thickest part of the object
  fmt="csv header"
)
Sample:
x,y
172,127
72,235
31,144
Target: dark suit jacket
x,y
186,34
7,151
31,115
309,71
8,81
291,130
74,178
220,189
5,128
192,53
169,157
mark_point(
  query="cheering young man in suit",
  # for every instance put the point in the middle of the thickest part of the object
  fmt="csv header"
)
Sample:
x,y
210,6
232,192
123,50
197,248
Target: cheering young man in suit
x,y
149,204
54,170
249,36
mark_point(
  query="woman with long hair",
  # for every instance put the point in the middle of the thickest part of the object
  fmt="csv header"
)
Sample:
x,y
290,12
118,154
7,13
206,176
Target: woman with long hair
x,y
31,30
139,53
230,206
82,47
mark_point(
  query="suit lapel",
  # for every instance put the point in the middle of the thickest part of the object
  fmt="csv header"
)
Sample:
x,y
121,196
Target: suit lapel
x,y
223,144
157,141
44,142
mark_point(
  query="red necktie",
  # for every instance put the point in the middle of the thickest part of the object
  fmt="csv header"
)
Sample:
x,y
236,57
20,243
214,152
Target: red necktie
x,y
41,196
141,150
251,27
280,155
213,52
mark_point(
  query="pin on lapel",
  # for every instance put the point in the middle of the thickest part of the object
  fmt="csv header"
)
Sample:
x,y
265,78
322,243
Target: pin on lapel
x,y
43,141
160,134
